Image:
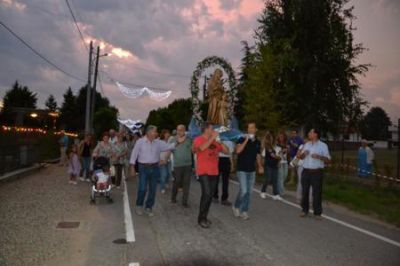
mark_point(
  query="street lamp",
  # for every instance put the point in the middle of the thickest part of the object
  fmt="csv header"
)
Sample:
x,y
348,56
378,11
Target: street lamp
x,y
34,115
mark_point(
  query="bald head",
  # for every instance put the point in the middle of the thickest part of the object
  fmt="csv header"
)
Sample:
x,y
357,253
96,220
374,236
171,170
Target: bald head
x,y
181,130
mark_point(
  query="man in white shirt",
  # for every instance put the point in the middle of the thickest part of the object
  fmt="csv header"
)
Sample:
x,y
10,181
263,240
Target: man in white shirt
x,y
315,155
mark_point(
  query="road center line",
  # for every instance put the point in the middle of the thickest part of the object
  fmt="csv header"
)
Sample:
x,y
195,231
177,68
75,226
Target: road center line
x,y
348,225
130,232
134,264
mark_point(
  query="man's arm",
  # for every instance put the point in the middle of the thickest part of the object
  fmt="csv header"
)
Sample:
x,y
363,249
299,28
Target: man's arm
x,y
206,144
166,146
240,146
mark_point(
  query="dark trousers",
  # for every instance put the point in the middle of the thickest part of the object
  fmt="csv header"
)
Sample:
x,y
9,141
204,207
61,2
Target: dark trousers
x,y
118,174
312,179
270,177
224,167
208,184
183,176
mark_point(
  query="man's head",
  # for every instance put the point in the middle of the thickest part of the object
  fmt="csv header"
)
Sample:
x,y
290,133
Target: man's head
x,y
180,130
313,134
151,132
294,133
364,143
207,129
251,128
112,133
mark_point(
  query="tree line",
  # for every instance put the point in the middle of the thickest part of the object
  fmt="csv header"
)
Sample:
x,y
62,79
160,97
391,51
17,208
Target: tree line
x,y
71,109
302,71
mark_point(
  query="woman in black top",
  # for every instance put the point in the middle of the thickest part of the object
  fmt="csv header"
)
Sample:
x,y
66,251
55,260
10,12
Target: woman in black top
x,y
271,161
86,154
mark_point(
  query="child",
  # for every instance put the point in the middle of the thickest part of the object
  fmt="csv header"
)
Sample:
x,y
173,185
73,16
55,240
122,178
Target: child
x,y
74,166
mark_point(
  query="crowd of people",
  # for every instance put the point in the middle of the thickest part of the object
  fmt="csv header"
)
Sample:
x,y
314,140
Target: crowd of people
x,y
158,158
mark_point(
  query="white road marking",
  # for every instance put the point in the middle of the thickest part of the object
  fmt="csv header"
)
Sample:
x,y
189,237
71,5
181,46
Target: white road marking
x,y
130,232
134,264
348,225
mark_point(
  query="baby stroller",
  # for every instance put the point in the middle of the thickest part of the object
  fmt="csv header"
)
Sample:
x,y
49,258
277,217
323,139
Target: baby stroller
x,y
101,180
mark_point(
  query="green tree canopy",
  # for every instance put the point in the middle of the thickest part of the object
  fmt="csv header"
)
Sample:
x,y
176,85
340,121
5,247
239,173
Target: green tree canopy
x,y
305,65
19,96
104,119
51,103
375,125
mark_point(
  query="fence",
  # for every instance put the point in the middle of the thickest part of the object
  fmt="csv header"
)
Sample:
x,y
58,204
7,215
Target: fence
x,y
15,156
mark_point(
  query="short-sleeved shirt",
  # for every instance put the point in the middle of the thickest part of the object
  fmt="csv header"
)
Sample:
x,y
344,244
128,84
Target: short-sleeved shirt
x,y
269,160
246,160
319,148
207,160
182,153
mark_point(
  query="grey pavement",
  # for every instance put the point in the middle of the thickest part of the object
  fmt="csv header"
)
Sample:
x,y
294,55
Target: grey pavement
x,y
31,207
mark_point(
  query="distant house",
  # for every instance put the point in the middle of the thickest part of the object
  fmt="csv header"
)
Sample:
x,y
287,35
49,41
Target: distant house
x,y
21,116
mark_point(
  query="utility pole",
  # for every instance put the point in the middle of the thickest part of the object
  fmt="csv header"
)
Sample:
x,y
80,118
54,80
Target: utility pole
x,y
94,89
88,89
398,148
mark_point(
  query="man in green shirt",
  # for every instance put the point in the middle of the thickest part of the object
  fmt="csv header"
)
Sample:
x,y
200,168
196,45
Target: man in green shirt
x,y
182,164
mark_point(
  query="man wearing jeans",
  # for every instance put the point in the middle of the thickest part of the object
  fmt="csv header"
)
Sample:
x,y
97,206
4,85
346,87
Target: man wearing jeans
x,y
182,165
147,152
249,152
207,150
315,155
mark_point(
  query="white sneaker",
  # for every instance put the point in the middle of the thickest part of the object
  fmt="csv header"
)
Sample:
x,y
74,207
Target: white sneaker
x,y
149,212
82,179
278,197
275,197
162,191
244,216
263,195
235,211
139,211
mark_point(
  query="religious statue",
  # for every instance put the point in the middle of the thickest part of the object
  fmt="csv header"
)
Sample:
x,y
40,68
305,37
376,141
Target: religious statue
x,y
217,100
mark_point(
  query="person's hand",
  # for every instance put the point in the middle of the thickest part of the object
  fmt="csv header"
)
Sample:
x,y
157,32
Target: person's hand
x,y
163,162
316,156
133,171
214,135
261,170
306,153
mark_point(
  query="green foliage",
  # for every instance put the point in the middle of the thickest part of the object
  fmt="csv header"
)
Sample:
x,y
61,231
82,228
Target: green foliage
x,y
19,96
73,110
177,112
304,65
104,119
51,103
375,125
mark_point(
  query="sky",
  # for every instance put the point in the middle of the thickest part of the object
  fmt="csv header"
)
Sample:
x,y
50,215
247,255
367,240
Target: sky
x,y
158,43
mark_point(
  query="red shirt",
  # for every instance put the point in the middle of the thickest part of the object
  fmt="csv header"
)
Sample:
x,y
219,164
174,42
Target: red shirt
x,y
207,160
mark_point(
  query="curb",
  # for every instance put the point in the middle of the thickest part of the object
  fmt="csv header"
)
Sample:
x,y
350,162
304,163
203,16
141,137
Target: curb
x,y
20,173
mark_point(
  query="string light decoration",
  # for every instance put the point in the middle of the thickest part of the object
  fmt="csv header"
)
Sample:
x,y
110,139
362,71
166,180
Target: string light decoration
x,y
135,93
34,130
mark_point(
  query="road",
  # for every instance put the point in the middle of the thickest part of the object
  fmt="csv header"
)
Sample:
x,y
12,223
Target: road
x,y
31,208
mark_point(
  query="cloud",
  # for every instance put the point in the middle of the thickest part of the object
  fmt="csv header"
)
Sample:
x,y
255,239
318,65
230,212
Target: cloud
x,y
158,43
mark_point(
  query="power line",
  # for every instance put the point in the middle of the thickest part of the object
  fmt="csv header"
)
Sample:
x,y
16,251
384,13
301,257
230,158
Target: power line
x,y
77,26
39,54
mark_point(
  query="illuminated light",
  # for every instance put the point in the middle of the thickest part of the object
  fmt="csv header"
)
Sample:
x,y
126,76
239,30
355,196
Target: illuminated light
x,y
34,115
54,114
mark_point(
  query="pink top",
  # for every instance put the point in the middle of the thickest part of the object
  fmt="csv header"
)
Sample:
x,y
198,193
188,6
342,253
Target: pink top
x,y
74,166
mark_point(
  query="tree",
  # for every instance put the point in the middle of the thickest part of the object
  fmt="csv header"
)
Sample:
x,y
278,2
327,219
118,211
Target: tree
x,y
375,125
105,119
69,118
51,103
177,112
310,45
19,96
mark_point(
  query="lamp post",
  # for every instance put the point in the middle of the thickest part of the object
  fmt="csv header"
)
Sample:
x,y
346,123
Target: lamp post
x,y
93,101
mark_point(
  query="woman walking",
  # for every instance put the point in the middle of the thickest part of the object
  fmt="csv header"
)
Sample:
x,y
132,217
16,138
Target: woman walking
x,y
74,166
85,151
103,148
118,157
271,162
283,163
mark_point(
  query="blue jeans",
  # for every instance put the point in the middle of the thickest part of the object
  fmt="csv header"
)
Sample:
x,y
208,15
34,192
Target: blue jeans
x,y
246,183
86,166
164,173
282,175
148,177
271,176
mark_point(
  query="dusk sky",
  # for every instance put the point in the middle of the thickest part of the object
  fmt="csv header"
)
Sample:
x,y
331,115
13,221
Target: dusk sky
x,y
158,44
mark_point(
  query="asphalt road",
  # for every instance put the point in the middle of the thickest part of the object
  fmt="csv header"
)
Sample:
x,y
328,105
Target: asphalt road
x,y
31,208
